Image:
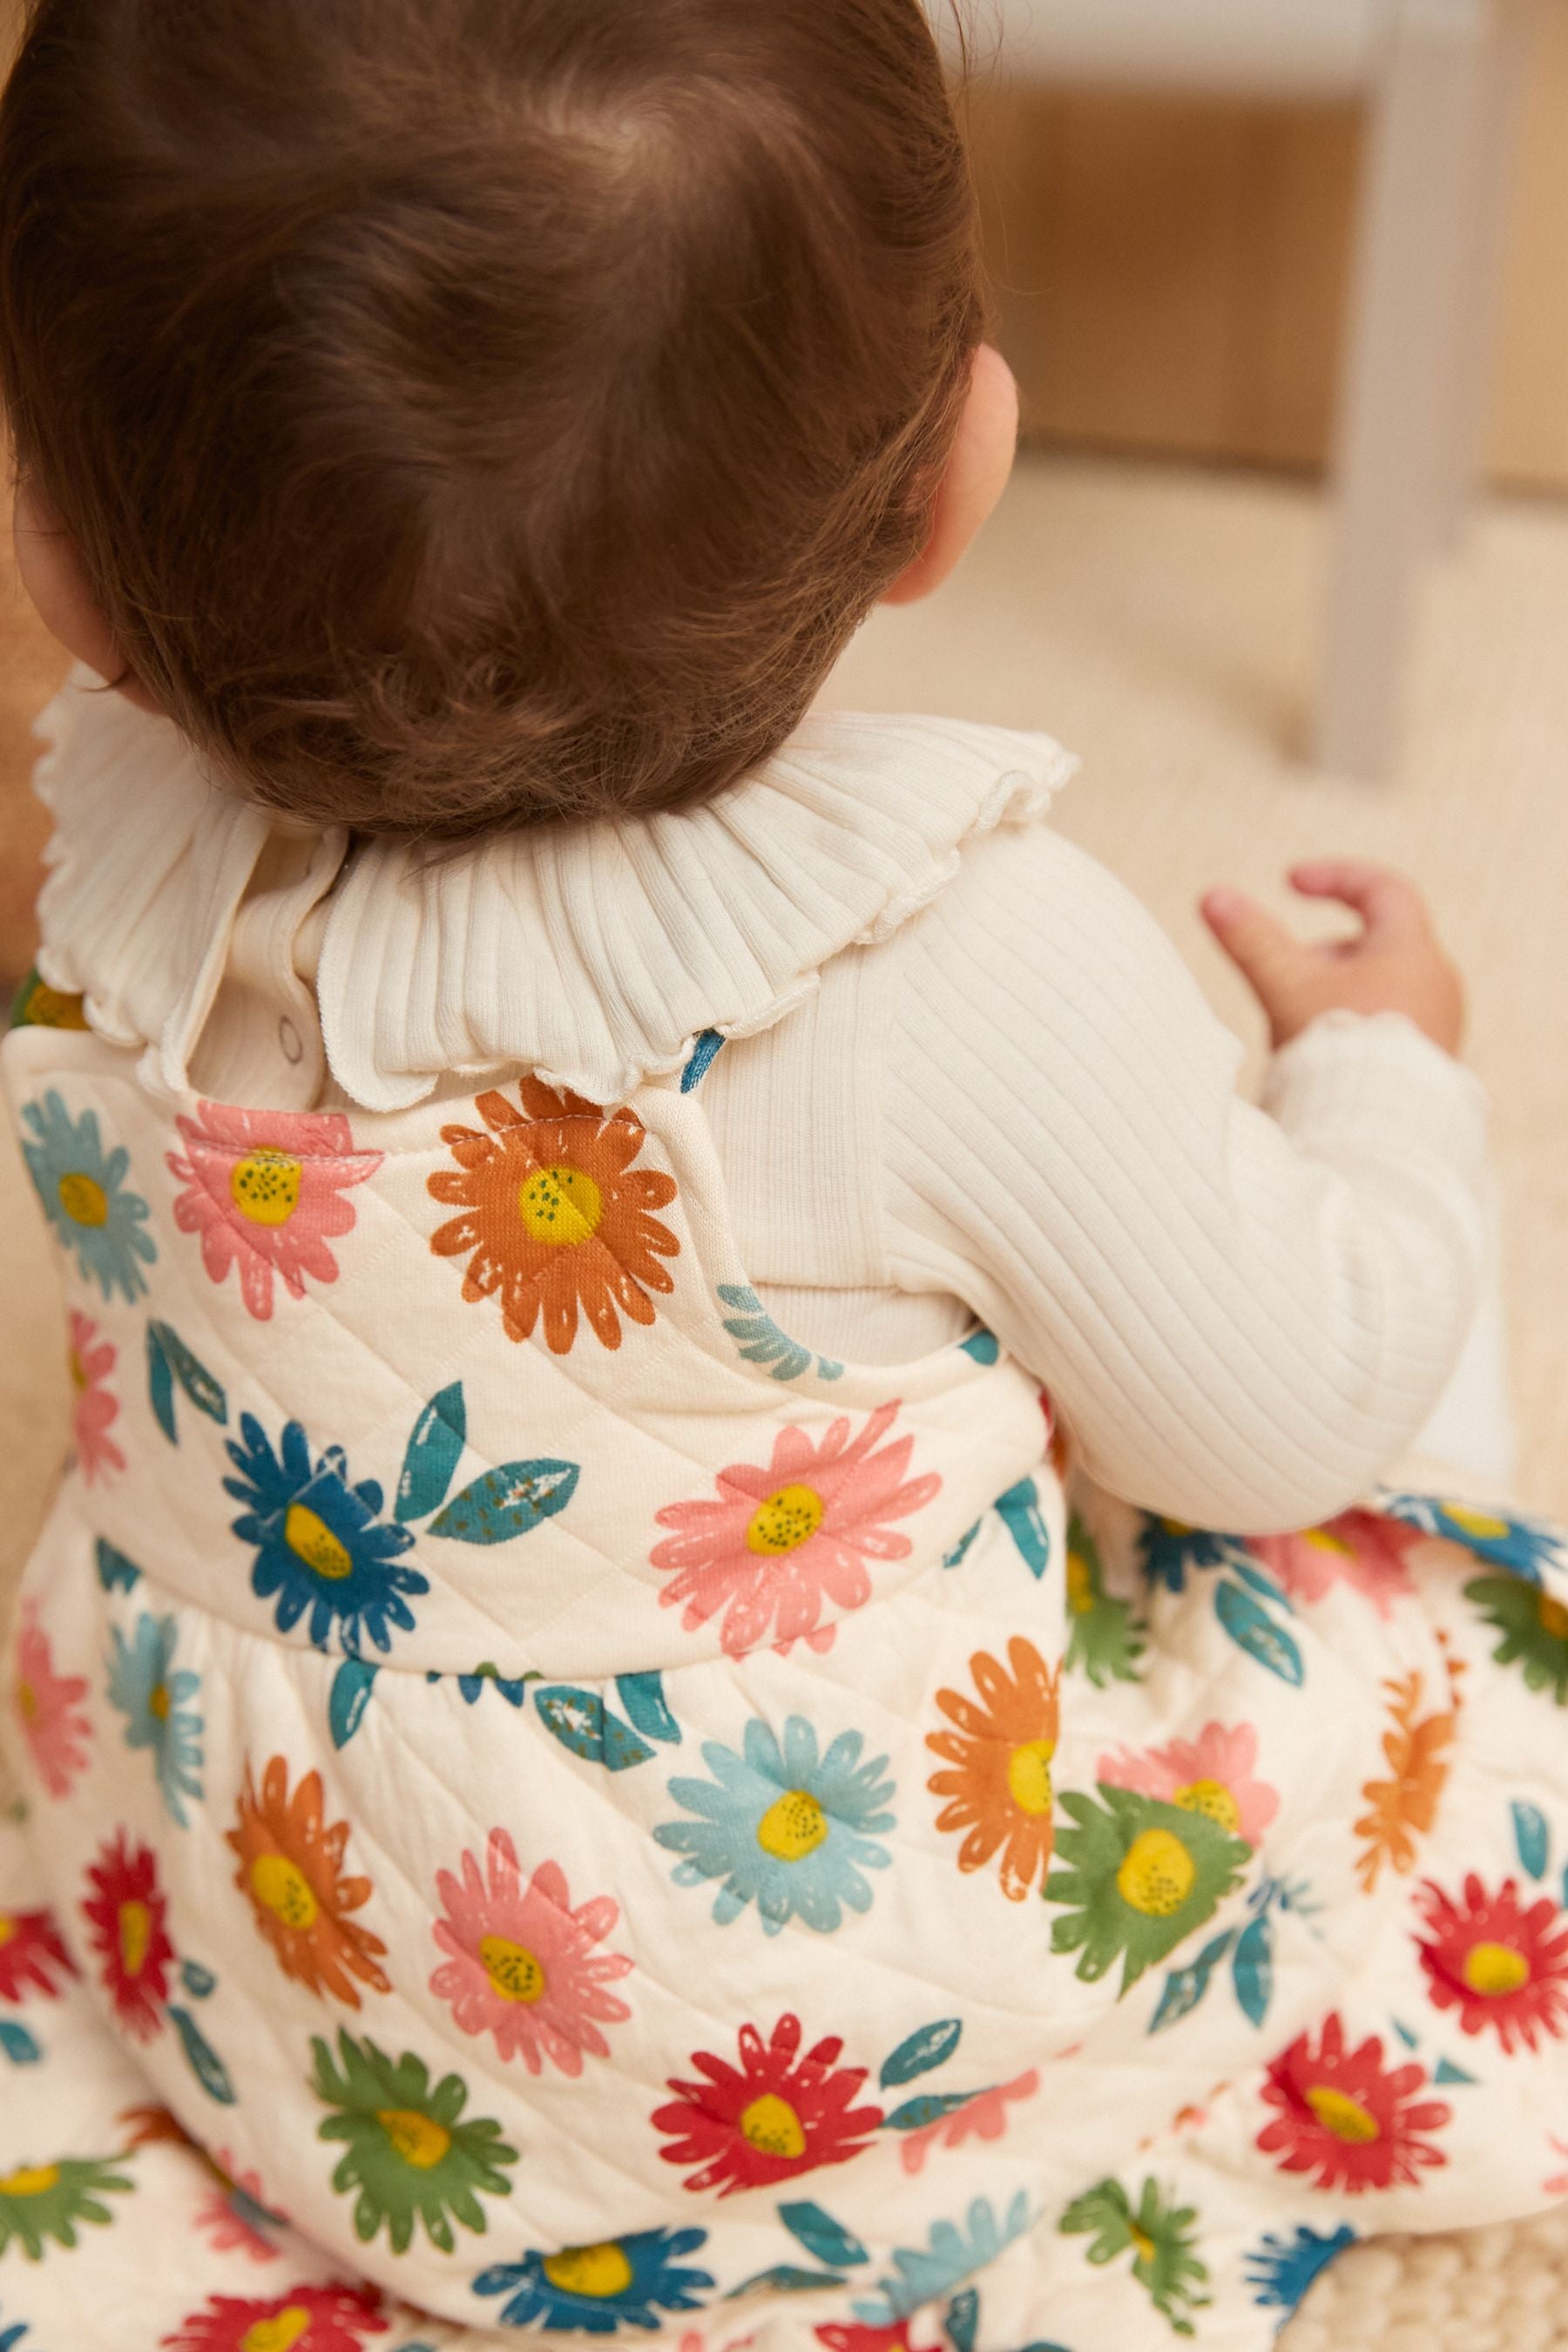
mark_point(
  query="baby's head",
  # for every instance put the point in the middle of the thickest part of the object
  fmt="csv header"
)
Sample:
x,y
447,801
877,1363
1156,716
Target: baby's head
x,y
457,413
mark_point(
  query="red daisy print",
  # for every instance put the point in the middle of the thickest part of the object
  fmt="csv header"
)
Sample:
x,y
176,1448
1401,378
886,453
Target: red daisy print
x,y
1345,2116
845,2337
776,2115
305,2319
1497,1963
30,1947
127,1914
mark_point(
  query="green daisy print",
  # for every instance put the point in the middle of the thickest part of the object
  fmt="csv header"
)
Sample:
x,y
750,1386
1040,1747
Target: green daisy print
x,y
1158,2234
1534,1628
47,2201
408,2152
1141,1875
1106,1640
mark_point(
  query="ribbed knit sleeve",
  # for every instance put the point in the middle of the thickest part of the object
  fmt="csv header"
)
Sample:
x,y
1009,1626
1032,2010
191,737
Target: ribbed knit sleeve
x,y
1244,1314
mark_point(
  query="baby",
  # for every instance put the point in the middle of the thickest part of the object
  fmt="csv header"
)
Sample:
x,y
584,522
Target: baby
x,y
628,1717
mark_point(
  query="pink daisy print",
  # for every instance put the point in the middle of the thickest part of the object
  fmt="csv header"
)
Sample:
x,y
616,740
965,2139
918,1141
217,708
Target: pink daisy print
x,y
521,1961
788,1536
1212,1774
1360,1548
984,2116
49,1709
94,1410
265,1191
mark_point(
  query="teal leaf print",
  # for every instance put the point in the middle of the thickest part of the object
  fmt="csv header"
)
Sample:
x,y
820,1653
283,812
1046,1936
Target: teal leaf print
x,y
584,1726
18,2044
169,1359
509,1502
760,1341
1019,1510
962,1549
433,1451
962,2321
825,2240
983,1345
933,2046
928,2108
783,2279
94,1214
115,1572
1252,1629
199,1982
704,1053
1447,2072
1186,1988
352,1687
1252,1970
643,1697
1531,1838
204,2063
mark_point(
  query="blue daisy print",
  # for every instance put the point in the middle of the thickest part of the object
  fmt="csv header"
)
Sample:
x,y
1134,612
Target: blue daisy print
x,y
151,1693
595,2289
1171,1549
1523,1546
1280,2270
320,1543
10,2338
85,1198
785,1827
951,2254
761,1341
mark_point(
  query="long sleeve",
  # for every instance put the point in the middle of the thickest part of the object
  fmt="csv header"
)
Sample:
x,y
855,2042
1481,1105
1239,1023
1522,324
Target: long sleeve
x,y
1244,1314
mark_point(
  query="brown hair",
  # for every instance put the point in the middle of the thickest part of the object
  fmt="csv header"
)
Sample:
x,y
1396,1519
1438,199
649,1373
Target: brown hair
x,y
479,411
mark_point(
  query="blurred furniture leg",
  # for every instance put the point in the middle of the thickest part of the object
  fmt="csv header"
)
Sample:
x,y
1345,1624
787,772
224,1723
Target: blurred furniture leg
x,y
1414,378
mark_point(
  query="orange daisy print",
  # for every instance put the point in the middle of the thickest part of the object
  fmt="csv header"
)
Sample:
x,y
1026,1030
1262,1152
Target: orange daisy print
x,y
554,1217
1404,1808
1000,1791
290,1868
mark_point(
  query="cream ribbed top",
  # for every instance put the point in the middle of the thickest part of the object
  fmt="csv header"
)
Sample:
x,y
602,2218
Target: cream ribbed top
x,y
967,1077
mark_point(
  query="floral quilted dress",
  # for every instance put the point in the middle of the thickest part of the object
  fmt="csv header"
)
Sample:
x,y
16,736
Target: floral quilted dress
x,y
550,1808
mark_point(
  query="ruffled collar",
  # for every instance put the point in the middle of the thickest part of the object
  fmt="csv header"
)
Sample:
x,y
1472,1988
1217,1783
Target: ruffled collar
x,y
596,957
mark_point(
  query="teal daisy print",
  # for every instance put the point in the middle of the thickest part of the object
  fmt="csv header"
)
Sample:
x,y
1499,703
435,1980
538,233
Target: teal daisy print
x,y
760,1339
789,1827
86,1199
152,1692
1523,1546
595,2290
953,2252
320,1544
1281,2270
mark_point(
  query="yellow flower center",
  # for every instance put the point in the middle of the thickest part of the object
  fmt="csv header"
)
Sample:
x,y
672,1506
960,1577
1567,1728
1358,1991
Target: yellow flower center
x,y
265,1187
1142,2244
1175,1529
1030,1776
283,1888
1081,1584
792,1827
135,1936
310,1539
515,1971
26,1702
597,2270
1495,1968
1212,1799
48,1008
9,1929
158,1702
1554,1617
1321,1540
84,1199
770,2126
279,2334
1480,1524
418,2140
30,2181
786,1520
1157,1875
1346,2118
561,1205
77,1371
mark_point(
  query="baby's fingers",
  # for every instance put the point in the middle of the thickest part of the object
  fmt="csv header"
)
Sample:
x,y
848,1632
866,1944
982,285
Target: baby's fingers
x,y
1392,909
1267,956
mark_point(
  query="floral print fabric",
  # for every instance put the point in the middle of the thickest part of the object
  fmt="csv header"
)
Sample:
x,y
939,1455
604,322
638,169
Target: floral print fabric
x,y
552,1807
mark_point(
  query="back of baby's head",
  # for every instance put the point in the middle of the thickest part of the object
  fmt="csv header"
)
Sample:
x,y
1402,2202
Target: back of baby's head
x,y
478,411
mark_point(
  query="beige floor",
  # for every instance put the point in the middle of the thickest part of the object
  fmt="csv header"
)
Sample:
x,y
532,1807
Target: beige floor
x,y
1164,623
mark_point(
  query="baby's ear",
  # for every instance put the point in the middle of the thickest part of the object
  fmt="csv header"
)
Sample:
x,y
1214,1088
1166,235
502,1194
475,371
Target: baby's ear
x,y
49,566
974,478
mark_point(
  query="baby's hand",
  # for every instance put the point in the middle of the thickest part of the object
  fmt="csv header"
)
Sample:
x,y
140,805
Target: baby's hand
x,y
1396,965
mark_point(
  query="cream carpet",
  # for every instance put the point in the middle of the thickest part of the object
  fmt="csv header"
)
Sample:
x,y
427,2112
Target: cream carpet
x,y
1164,623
